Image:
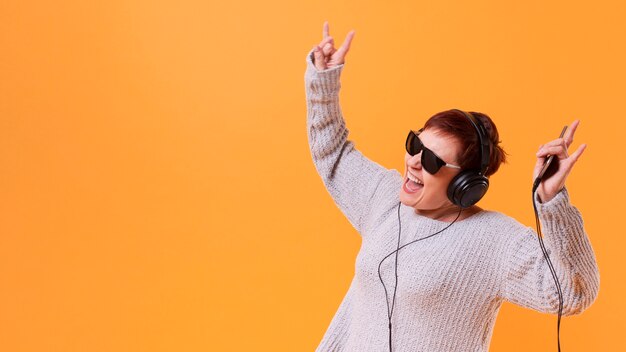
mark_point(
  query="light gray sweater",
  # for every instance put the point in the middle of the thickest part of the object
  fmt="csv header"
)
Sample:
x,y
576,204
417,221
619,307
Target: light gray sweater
x,y
450,286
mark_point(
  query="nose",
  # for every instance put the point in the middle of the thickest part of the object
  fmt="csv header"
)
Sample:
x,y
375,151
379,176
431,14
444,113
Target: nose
x,y
415,161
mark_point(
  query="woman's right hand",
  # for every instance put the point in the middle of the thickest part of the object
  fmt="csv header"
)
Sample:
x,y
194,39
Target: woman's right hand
x,y
325,55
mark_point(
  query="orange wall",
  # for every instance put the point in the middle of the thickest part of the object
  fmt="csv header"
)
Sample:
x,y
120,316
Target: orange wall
x,y
156,187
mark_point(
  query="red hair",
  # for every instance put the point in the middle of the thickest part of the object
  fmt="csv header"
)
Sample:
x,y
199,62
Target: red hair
x,y
455,124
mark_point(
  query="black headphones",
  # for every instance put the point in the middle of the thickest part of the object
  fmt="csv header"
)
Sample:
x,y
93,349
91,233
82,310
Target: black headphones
x,y
469,186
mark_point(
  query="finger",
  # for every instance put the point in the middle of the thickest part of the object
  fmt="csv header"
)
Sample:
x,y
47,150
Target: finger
x,y
538,166
552,143
346,43
540,157
325,30
578,152
540,161
559,150
326,40
328,49
569,134
559,142
320,63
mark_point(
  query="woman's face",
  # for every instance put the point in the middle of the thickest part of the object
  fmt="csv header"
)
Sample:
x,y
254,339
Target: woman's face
x,y
433,193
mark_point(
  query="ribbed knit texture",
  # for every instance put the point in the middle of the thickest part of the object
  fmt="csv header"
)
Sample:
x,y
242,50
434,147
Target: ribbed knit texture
x,y
450,286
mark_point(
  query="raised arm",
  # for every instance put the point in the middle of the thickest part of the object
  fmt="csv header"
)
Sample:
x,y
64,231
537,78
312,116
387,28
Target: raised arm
x,y
528,280
351,178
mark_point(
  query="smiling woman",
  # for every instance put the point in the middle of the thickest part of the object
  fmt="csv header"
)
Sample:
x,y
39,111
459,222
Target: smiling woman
x,y
447,139
447,289
431,198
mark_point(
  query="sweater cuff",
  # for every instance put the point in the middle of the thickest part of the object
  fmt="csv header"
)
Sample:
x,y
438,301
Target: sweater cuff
x,y
561,197
557,213
324,82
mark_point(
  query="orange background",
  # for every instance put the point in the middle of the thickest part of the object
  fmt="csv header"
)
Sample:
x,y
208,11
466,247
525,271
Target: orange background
x,y
156,188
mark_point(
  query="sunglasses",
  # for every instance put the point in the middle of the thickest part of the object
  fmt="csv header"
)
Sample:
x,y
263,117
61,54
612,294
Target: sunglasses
x,y
430,161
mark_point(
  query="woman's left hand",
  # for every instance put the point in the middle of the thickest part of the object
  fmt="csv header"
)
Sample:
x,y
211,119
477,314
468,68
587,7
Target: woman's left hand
x,y
550,186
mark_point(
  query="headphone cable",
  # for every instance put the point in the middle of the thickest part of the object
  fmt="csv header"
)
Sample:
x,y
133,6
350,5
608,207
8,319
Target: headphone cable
x,y
552,271
390,311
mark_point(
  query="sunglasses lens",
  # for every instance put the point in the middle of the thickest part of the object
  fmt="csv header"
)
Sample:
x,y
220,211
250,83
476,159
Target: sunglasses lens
x,y
430,162
413,144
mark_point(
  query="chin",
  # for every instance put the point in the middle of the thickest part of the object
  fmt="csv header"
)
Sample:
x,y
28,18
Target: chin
x,y
404,202
407,200
419,203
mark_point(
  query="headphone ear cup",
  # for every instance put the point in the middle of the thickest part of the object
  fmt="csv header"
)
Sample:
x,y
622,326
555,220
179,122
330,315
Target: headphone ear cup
x,y
467,188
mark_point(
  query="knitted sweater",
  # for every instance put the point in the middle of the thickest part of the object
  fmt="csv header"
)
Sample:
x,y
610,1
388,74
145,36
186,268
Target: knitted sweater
x,y
451,285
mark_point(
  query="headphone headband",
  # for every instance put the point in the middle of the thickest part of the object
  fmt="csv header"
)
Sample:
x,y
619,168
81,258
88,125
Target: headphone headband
x,y
483,141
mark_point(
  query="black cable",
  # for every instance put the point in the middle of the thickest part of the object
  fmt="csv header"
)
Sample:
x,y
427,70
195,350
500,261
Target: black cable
x,y
552,271
390,311
539,236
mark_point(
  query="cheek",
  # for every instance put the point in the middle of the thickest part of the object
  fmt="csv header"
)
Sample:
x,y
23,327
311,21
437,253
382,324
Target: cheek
x,y
439,186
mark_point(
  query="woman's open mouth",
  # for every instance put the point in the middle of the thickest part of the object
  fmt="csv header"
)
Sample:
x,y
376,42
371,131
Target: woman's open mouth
x,y
411,186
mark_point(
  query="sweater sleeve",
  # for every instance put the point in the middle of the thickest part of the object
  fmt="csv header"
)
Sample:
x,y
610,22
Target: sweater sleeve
x,y
351,178
529,282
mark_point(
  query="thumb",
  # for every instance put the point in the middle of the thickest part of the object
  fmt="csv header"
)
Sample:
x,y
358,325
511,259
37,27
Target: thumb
x,y
320,62
538,166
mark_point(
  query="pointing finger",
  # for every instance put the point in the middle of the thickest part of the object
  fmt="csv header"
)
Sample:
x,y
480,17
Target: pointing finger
x,y
346,43
569,134
578,152
325,30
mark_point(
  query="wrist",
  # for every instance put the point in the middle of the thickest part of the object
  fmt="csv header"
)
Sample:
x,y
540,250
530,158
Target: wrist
x,y
543,197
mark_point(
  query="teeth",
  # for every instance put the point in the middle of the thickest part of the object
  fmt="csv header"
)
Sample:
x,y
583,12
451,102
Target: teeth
x,y
414,179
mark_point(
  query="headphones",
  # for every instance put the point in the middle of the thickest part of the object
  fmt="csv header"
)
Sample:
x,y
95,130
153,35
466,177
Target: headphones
x,y
469,186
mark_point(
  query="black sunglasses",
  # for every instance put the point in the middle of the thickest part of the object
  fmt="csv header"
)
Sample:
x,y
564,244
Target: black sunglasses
x,y
430,161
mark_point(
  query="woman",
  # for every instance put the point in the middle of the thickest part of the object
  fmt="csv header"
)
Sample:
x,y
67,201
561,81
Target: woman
x,y
446,290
